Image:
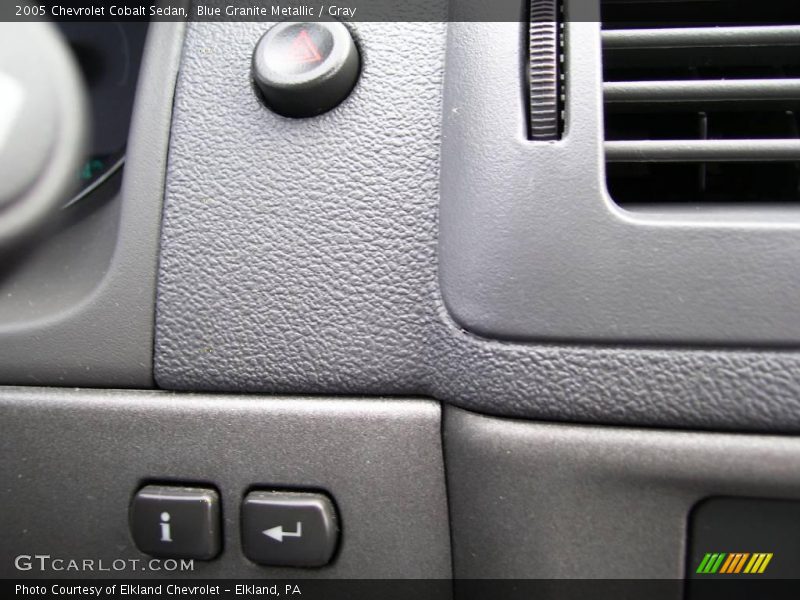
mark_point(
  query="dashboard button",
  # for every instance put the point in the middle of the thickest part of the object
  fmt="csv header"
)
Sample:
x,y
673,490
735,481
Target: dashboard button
x,y
176,522
289,529
305,68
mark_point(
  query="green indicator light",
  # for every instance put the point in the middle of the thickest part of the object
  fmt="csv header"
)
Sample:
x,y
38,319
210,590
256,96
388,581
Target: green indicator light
x,y
91,169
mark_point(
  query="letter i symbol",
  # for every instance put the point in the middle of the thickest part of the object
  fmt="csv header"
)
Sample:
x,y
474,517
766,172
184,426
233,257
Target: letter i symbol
x,y
166,531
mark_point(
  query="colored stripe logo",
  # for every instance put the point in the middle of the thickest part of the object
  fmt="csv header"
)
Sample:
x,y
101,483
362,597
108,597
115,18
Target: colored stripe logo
x,y
734,563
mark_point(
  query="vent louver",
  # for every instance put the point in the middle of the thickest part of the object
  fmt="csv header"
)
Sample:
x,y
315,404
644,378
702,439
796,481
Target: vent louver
x,y
702,101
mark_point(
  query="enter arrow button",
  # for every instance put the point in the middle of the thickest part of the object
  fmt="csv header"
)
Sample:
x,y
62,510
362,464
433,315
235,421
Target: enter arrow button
x,y
277,533
269,518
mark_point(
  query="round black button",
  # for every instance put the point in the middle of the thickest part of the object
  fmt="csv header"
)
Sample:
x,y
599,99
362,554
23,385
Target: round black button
x,y
304,69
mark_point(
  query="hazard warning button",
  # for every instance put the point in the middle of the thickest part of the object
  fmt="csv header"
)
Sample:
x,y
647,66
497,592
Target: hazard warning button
x,y
304,69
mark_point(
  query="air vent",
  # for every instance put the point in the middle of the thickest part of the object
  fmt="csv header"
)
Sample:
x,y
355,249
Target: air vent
x,y
702,101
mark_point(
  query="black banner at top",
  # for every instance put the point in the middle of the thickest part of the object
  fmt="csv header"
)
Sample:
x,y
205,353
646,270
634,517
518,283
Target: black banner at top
x,y
613,13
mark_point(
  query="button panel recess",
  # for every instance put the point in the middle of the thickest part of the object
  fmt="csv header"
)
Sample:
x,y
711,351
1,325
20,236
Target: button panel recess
x,y
279,528
290,529
304,69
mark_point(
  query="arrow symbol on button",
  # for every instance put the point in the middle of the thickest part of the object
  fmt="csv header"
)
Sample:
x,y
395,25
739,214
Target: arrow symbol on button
x,y
277,533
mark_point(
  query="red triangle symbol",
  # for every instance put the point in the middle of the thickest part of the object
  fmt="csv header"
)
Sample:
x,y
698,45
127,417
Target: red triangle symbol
x,y
303,49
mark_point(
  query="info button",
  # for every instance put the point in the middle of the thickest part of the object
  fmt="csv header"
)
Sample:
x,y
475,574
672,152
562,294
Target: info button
x,y
176,522
305,68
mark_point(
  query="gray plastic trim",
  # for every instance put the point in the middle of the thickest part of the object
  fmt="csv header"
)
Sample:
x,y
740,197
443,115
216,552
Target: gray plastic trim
x,y
532,247
96,329
706,90
530,500
702,37
71,460
300,256
701,151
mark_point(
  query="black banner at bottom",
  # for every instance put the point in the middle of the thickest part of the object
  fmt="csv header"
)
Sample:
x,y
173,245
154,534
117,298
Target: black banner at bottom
x,y
460,589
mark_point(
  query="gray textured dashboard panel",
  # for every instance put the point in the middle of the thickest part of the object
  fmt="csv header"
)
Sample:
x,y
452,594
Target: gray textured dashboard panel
x,y
530,500
71,461
301,256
